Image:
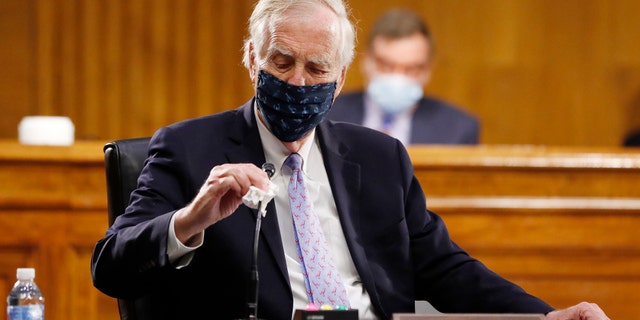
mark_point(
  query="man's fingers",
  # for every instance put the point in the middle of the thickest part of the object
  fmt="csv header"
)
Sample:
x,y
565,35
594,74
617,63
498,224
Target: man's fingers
x,y
239,177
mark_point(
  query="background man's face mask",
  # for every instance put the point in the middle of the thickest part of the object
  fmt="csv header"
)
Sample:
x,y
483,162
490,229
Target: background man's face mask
x,y
394,93
290,111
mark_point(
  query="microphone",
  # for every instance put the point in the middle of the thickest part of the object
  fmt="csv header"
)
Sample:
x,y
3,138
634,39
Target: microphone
x,y
252,303
269,168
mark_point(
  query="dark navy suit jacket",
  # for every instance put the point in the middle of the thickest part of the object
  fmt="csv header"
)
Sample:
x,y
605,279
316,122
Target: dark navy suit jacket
x,y
434,121
401,250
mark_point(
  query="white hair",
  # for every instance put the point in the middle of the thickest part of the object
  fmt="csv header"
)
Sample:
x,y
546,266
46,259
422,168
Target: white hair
x,y
268,13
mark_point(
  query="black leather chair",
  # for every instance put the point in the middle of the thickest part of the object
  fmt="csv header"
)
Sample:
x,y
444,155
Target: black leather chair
x,y
123,161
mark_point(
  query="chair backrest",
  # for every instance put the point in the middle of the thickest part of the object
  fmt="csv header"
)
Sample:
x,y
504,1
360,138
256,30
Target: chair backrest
x,y
123,161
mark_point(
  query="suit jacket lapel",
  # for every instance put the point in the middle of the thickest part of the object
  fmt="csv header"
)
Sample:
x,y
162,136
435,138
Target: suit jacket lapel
x,y
345,179
248,149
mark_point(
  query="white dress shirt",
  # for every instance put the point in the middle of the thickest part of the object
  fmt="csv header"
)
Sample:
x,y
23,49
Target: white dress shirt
x,y
399,128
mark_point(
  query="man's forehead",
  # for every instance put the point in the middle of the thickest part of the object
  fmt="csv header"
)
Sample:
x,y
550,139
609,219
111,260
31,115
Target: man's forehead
x,y
414,48
320,57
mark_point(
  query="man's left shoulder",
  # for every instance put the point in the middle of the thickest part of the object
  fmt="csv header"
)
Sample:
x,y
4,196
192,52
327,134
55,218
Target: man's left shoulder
x,y
355,135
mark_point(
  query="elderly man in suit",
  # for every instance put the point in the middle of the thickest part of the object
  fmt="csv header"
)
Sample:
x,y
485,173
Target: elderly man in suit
x,y
183,248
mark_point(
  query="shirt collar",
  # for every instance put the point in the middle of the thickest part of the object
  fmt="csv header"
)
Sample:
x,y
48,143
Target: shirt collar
x,y
275,151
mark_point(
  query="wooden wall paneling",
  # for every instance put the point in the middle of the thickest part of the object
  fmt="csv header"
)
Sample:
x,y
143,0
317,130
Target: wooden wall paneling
x,y
44,67
52,209
521,171
183,72
69,53
618,297
89,113
544,230
58,243
115,73
233,77
508,88
37,235
535,72
157,105
89,302
203,56
135,114
16,63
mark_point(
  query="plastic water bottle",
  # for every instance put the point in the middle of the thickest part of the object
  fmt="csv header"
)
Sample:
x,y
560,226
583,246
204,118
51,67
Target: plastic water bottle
x,y
25,301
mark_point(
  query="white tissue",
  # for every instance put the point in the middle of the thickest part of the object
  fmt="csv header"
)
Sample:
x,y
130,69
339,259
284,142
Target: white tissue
x,y
256,197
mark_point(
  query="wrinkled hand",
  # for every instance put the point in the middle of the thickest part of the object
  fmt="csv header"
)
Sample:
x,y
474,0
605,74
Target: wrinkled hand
x,y
220,195
581,311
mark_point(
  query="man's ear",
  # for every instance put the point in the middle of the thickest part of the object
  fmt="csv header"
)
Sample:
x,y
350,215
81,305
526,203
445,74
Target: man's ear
x,y
341,81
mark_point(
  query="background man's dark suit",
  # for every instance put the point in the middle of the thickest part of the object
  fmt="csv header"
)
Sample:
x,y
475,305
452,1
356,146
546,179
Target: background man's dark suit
x,y
434,121
401,251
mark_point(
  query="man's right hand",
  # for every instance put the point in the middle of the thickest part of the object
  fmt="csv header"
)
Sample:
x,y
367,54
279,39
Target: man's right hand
x,y
220,196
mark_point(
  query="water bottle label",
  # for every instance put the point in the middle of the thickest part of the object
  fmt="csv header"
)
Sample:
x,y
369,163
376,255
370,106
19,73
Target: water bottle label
x,y
26,312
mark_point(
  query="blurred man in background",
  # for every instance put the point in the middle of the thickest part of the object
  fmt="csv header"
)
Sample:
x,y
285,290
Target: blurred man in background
x,y
396,66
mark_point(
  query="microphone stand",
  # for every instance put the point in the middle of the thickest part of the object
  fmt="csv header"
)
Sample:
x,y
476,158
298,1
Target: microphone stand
x,y
252,304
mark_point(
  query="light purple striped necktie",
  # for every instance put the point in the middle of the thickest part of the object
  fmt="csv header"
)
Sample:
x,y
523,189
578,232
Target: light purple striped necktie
x,y
321,276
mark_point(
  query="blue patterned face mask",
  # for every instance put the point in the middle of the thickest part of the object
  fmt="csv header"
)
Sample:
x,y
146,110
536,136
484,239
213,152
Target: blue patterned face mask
x,y
290,111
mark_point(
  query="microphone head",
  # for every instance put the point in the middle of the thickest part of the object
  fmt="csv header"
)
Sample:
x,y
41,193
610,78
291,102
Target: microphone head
x,y
269,168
